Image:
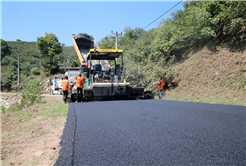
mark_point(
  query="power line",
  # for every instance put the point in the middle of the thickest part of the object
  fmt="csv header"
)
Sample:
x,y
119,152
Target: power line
x,y
132,16
163,14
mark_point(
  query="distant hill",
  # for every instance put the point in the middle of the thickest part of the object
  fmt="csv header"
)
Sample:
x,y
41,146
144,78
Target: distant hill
x,y
29,51
29,62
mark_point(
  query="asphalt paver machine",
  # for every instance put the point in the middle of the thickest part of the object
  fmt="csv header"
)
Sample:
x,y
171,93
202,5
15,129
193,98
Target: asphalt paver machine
x,y
104,80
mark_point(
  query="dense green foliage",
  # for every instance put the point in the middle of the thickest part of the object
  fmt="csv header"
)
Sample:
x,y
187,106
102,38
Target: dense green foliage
x,y
30,63
49,46
5,50
142,66
200,21
29,60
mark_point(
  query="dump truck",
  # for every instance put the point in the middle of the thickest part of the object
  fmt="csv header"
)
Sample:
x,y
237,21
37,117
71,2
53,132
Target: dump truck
x,y
103,81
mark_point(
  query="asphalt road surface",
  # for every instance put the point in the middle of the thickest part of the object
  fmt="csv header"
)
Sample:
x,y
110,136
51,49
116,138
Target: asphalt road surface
x,y
153,132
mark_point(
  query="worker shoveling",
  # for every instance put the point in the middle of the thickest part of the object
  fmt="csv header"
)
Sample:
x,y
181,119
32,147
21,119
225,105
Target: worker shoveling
x,y
101,80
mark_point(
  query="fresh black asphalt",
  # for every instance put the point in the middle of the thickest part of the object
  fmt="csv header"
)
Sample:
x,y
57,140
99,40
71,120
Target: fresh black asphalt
x,y
153,132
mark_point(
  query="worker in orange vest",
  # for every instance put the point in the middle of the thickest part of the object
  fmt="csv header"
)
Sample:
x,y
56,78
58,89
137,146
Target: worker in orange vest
x,y
80,85
85,64
71,86
160,87
65,88
86,69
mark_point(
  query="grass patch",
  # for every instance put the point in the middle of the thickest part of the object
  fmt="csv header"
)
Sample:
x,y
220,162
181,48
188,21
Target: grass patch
x,y
29,127
217,99
3,109
10,137
14,136
58,111
43,132
36,163
55,125
25,115
14,108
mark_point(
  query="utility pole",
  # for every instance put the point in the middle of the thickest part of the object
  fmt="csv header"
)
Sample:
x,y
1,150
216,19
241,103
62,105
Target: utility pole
x,y
116,39
18,80
18,68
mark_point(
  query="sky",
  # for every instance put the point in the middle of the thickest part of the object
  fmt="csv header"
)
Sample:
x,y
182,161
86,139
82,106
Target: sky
x,y
27,20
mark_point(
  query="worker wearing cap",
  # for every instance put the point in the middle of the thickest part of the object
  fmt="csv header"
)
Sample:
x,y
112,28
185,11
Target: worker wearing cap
x,y
160,88
108,71
80,86
86,68
65,88
71,85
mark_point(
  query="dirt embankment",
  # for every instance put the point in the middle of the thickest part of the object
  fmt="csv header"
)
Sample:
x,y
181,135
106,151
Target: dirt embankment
x,y
30,136
211,76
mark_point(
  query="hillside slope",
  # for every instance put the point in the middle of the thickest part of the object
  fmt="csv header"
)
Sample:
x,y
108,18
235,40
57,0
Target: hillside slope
x,y
211,76
30,63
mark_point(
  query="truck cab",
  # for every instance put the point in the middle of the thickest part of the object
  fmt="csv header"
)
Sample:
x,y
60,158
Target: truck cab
x,y
56,86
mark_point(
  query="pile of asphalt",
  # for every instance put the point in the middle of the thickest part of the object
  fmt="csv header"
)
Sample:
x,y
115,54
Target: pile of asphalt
x,y
67,140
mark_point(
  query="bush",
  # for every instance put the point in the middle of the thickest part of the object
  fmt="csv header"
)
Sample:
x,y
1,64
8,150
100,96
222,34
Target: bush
x,y
3,110
31,93
35,71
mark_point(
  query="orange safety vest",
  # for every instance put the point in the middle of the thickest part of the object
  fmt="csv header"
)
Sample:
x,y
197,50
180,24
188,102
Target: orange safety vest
x,y
85,64
80,82
161,85
65,85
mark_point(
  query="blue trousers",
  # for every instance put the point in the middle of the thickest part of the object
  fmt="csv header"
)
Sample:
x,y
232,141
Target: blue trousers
x,y
160,95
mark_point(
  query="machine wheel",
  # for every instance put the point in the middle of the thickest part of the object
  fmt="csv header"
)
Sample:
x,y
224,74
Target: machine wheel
x,y
73,98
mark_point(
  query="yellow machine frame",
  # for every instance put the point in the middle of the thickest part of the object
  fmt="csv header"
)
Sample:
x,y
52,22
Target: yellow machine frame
x,y
106,54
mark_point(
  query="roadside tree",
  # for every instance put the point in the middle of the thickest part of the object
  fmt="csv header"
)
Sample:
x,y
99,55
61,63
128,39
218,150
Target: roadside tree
x,y
5,50
49,47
